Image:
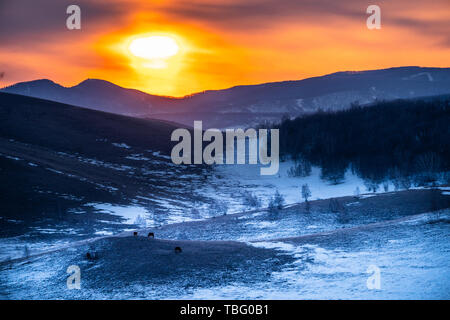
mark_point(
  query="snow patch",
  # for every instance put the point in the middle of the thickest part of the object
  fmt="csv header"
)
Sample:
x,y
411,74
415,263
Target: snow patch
x,y
130,213
121,145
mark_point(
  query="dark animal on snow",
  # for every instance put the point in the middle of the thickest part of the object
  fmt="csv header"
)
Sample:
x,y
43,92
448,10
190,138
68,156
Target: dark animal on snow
x,y
92,256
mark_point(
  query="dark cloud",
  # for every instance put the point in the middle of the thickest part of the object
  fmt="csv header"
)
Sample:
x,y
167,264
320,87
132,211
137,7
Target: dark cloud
x,y
439,29
261,13
257,14
38,20
34,21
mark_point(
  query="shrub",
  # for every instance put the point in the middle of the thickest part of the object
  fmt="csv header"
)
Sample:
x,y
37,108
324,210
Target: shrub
x,y
276,202
219,207
250,200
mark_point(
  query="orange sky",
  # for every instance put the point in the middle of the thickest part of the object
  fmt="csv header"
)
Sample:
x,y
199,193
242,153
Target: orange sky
x,y
223,43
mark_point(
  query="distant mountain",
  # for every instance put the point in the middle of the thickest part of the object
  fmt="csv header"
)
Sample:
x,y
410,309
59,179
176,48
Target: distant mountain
x,y
251,104
93,94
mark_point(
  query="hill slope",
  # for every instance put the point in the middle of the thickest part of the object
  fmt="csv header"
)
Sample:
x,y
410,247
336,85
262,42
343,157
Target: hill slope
x,y
55,158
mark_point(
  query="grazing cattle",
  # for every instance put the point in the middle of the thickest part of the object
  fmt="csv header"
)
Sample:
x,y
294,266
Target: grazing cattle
x,y
177,250
151,235
92,256
135,233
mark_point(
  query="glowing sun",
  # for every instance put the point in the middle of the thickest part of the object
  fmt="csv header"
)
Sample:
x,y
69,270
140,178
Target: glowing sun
x,y
154,47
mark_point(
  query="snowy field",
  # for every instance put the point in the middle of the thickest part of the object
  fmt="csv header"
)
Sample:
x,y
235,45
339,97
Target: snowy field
x,y
413,258
248,253
411,253
248,177
228,183
225,185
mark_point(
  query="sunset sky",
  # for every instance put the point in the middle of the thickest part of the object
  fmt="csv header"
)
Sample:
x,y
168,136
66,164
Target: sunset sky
x,y
222,43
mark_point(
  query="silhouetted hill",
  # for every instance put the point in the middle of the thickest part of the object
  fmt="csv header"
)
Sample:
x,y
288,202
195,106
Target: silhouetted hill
x,y
55,158
69,128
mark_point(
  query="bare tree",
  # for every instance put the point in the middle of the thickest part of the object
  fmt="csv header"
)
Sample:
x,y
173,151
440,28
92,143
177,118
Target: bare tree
x,y
26,252
140,221
306,193
357,192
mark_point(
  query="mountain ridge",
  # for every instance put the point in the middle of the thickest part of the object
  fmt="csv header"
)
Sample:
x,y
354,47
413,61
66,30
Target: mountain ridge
x,y
247,105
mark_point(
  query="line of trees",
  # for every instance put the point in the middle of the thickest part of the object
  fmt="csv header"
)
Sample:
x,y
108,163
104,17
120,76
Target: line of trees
x,y
390,140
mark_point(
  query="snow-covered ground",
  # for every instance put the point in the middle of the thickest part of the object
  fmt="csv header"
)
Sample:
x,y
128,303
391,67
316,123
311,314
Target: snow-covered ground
x,y
227,184
412,255
248,177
